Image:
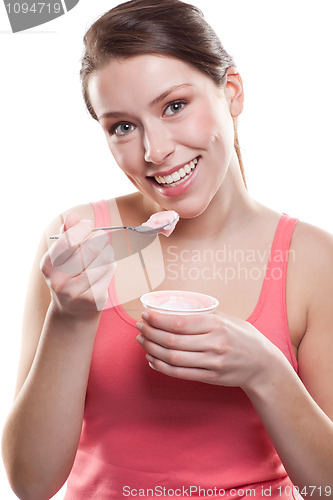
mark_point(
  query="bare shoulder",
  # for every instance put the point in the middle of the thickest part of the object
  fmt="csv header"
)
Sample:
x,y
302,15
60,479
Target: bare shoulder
x,y
315,237
84,211
312,249
314,265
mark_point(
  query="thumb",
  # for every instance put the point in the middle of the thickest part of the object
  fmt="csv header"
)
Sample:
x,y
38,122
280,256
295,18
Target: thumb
x,y
70,220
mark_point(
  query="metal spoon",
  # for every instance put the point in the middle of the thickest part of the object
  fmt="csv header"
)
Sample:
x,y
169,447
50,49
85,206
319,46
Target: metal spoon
x,y
139,229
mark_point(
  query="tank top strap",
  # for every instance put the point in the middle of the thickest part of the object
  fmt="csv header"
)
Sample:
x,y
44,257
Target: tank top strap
x,y
103,219
274,285
280,251
102,213
270,314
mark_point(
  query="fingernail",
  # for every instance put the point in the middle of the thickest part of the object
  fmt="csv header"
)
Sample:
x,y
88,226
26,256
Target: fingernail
x,y
145,316
139,325
140,339
153,367
149,358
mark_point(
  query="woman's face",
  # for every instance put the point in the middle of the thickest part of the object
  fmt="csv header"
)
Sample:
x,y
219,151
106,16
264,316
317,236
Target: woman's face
x,y
169,128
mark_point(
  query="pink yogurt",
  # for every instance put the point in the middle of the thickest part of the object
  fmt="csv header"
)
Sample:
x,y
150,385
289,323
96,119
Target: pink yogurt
x,y
179,302
161,218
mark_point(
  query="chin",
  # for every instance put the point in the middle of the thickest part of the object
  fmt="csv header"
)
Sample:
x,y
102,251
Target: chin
x,y
190,210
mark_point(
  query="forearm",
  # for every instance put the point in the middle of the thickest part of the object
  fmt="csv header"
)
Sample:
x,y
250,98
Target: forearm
x,y
43,429
300,431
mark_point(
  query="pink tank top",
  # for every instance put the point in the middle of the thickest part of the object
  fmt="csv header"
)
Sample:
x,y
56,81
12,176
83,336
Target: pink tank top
x,y
149,435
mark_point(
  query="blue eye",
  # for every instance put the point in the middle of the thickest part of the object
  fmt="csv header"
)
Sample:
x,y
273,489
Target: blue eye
x,y
120,129
174,108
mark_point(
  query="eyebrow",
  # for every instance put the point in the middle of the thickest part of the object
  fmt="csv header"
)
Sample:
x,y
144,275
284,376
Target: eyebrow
x,y
116,114
169,91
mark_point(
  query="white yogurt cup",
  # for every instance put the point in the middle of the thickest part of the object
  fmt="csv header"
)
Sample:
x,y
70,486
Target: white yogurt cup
x,y
179,302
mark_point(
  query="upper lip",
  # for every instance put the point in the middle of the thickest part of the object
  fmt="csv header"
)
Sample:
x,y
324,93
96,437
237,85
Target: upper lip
x,y
171,170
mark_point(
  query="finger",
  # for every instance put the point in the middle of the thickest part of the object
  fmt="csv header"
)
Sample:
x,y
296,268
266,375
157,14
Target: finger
x,y
68,242
70,220
73,266
175,341
96,250
91,253
185,373
98,291
191,359
183,323
81,284
72,286
101,265
86,289
99,271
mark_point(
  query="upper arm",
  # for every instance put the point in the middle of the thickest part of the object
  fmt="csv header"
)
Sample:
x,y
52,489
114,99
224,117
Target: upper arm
x,y
38,298
315,353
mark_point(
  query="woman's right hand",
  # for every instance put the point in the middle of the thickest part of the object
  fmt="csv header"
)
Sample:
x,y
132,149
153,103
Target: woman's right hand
x,y
78,268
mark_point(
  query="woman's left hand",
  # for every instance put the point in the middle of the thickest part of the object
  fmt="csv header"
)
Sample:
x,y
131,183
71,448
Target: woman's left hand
x,y
213,348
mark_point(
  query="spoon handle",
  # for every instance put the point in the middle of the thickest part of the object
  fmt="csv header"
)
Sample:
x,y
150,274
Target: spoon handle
x,y
139,229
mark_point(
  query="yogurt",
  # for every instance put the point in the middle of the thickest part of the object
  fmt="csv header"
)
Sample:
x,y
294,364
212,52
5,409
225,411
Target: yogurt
x,y
179,302
161,218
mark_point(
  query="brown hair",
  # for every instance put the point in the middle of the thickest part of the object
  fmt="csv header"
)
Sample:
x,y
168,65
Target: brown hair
x,y
167,27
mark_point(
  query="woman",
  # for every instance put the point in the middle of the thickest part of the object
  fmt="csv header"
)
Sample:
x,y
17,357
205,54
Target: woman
x,y
236,403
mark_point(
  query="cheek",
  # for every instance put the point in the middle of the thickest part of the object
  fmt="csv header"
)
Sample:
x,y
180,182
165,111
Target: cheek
x,y
208,126
125,157
221,133
201,129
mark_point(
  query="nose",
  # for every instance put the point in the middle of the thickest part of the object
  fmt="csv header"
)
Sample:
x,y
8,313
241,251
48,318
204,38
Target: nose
x,y
158,144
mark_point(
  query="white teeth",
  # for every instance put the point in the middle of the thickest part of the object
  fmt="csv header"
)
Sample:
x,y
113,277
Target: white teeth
x,y
177,176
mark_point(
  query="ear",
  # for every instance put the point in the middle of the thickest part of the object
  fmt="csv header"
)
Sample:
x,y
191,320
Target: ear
x,y
234,91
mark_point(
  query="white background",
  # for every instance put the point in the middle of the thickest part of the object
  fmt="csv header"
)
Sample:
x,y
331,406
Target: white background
x,y
54,156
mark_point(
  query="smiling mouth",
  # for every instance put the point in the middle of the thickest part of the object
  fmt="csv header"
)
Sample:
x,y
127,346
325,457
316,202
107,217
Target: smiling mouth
x,y
178,176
